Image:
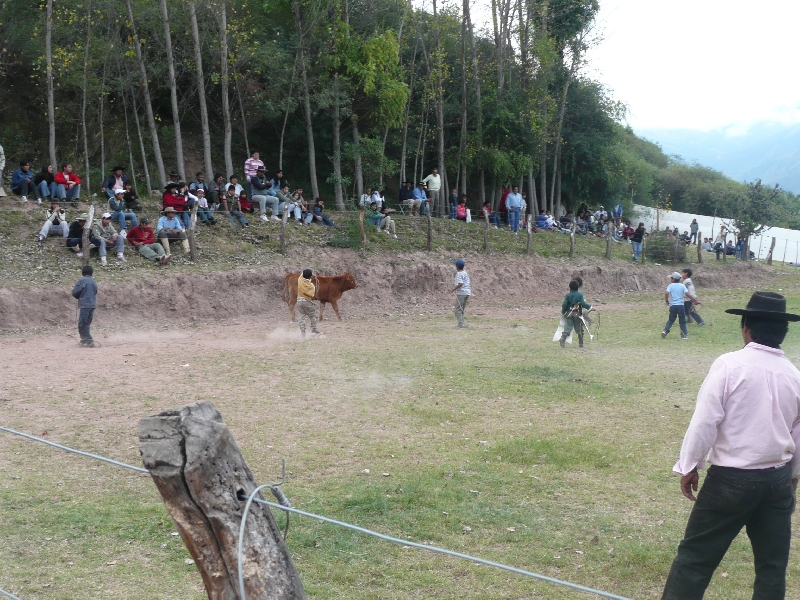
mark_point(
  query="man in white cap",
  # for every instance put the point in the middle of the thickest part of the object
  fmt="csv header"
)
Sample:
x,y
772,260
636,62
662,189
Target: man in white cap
x,y
119,213
674,299
108,236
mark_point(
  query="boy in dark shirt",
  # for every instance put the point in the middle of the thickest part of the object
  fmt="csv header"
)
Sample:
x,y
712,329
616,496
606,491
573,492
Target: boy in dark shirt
x,y
85,291
572,311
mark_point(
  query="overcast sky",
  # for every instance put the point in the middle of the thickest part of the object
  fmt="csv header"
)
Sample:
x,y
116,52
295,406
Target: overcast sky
x,y
700,64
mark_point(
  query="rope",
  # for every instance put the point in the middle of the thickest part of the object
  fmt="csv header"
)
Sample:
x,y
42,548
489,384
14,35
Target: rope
x,y
60,447
9,594
288,509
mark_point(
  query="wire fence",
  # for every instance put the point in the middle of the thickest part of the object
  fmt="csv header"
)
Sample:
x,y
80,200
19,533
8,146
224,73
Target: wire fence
x,y
291,510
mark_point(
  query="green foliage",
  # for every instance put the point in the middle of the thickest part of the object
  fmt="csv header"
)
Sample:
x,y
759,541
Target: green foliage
x,y
662,248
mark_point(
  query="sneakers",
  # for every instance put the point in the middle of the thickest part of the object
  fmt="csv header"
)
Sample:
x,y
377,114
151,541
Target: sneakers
x,y
38,201
684,337
121,256
387,232
123,234
91,344
462,326
394,236
103,261
316,331
165,259
274,218
264,218
41,239
664,334
79,254
24,198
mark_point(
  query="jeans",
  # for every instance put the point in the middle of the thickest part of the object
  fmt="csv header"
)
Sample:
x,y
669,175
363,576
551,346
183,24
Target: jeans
x,y
637,250
73,194
264,200
694,237
43,190
48,227
324,220
677,311
459,308
691,313
25,188
97,242
102,245
453,211
205,214
513,218
84,323
759,500
235,214
121,216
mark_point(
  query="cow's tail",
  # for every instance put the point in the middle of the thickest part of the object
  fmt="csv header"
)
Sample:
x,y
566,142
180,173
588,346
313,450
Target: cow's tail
x,y
286,289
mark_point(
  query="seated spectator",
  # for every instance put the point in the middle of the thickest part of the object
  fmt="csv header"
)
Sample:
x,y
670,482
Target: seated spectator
x,y
119,213
55,222
174,198
203,212
68,185
234,181
581,226
377,197
251,166
318,216
420,196
407,198
452,200
601,214
627,231
549,221
286,204
567,219
75,237
108,236
174,177
278,182
22,182
461,208
230,204
730,249
263,194
131,199
686,238
366,198
115,181
218,190
170,229
199,183
706,245
244,203
45,183
502,207
305,214
381,220
494,218
142,237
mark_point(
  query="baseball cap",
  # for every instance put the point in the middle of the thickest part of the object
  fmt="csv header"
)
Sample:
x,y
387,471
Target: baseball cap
x,y
675,275
119,192
459,263
144,220
106,215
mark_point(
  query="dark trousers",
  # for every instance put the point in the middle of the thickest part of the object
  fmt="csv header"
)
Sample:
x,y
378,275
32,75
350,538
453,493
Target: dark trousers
x,y
759,500
84,323
676,311
25,188
691,313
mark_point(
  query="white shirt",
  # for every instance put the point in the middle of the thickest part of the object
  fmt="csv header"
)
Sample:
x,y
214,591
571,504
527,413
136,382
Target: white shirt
x,y
463,278
434,182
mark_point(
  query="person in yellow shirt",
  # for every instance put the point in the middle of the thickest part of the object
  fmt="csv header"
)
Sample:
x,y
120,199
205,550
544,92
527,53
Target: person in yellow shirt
x,y
305,302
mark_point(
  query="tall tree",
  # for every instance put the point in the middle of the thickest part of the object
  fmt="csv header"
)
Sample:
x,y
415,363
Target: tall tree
x,y
312,159
201,91
223,79
51,106
173,90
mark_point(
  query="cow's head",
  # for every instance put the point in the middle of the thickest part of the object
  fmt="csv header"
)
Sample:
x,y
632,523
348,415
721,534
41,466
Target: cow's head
x,y
349,282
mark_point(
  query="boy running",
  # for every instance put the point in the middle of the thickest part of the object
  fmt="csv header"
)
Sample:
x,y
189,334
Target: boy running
x,y
462,291
572,311
305,302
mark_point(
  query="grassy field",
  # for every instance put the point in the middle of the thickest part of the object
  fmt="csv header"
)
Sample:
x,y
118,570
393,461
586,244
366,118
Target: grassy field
x,y
491,441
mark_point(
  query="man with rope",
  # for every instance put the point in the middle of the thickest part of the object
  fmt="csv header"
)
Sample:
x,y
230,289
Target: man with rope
x,y
572,311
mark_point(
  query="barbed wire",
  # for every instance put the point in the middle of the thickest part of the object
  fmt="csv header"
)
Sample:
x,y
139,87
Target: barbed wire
x,y
288,509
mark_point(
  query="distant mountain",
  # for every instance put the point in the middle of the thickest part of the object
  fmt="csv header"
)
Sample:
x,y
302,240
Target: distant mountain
x,y
768,151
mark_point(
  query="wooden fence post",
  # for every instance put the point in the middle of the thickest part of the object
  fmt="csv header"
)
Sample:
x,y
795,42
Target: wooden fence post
x,y
725,246
363,232
430,224
87,228
530,235
192,227
572,240
771,248
284,218
199,471
608,239
486,233
699,248
644,248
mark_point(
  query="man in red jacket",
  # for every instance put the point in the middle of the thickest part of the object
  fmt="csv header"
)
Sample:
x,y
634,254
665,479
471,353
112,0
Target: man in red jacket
x,y
68,185
143,238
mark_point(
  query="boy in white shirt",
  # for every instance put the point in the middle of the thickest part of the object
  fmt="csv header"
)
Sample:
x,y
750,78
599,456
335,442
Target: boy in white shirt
x,y
462,291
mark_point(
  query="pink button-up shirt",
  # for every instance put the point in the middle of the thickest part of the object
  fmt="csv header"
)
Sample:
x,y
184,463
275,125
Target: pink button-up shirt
x,y
250,166
747,413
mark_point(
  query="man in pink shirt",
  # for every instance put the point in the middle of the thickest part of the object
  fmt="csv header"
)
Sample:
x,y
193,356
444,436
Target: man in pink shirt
x,y
747,420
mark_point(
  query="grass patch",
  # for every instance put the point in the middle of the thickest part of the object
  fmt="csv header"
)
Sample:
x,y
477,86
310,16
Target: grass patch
x,y
563,453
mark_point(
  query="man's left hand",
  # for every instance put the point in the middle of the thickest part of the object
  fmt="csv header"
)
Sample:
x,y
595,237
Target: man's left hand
x,y
689,484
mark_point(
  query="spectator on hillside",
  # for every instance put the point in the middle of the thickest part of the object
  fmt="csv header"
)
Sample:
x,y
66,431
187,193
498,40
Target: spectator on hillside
x,y
407,197
617,214
381,220
420,195
287,204
218,191
514,207
686,238
55,222
278,181
75,236
174,176
230,204
131,199
377,196
69,185
525,204
251,166
234,181
244,203
174,199
730,249
115,181
461,208
199,183
627,231
22,182
494,218
45,183
318,216
694,228
119,213
453,201
203,212
566,220
707,245
108,236
142,237
366,198
263,194
170,229
581,225
601,214
636,239
433,184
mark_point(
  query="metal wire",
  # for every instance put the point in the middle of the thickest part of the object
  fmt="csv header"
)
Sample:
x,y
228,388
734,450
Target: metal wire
x,y
60,447
9,594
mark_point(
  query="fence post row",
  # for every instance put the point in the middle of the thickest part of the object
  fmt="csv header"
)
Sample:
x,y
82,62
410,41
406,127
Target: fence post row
x,y
200,473
699,247
87,229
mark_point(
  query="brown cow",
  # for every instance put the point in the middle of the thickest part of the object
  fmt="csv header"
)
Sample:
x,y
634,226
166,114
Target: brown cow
x,y
329,289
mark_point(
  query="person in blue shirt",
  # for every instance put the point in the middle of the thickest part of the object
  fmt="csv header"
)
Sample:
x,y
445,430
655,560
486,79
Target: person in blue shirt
x,y
514,206
85,292
422,197
22,182
674,299
170,228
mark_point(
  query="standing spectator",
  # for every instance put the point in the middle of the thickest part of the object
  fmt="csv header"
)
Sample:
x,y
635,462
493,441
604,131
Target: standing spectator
x,y
174,177
22,182
263,194
142,237
433,183
694,228
453,201
674,299
421,196
169,228
407,197
318,216
115,181
636,241
501,206
75,237
68,185
116,205
514,206
690,299
85,292
462,291
306,292
746,422
251,166
105,232
617,214
131,199
55,222
203,212
45,183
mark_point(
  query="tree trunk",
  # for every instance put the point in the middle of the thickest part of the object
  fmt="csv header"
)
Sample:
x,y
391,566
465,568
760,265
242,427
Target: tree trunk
x,y
191,232
83,100
201,93
476,81
557,207
51,108
543,167
128,141
202,477
141,143
312,158
286,113
771,249
530,232
244,118
532,187
699,248
486,233
173,91
223,76
361,225
404,150
337,145
151,121
462,145
87,228
357,159
562,110
101,123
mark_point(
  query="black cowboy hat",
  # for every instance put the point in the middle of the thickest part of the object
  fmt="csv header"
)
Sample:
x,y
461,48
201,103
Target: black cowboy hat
x,y
117,168
765,305
170,186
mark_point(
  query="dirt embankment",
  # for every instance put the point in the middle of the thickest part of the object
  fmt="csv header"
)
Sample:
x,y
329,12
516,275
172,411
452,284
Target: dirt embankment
x,y
387,283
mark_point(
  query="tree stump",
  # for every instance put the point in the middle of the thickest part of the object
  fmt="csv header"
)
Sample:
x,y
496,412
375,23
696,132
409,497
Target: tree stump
x,y
199,471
